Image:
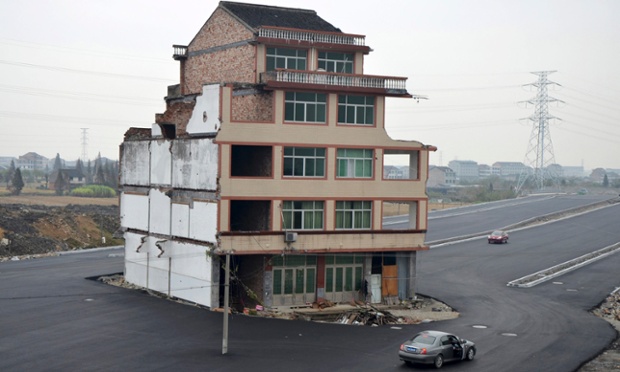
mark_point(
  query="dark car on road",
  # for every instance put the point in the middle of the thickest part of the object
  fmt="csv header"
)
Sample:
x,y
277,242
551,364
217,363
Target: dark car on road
x,y
498,236
436,348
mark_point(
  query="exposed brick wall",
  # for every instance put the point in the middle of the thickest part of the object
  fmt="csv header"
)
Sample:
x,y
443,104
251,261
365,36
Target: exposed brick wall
x,y
177,113
220,29
253,108
250,273
235,64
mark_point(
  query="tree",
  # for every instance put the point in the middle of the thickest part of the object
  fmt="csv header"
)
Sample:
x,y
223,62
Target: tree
x,y
9,175
17,183
59,185
57,163
605,181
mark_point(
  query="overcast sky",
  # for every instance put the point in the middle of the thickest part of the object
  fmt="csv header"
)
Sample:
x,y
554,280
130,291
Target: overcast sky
x,y
105,65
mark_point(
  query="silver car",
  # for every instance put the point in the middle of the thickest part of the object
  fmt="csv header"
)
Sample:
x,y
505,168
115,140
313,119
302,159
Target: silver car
x,y
435,347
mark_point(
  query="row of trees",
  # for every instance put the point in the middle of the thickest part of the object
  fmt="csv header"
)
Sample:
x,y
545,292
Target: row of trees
x,y
15,182
99,172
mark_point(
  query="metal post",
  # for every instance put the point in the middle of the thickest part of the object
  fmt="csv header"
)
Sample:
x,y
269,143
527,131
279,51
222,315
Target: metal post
x,y
226,295
169,273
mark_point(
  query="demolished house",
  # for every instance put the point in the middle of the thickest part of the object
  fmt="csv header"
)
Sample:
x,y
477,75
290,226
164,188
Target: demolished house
x,y
272,150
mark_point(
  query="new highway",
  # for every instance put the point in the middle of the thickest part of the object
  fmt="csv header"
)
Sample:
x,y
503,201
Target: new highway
x,y
55,317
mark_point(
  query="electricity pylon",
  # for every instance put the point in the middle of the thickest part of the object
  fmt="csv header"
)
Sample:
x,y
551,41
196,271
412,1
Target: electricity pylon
x,y
539,153
84,156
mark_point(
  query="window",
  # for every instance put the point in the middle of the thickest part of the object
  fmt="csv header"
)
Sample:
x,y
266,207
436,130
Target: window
x,y
336,62
356,109
292,59
304,162
353,214
354,163
302,215
305,107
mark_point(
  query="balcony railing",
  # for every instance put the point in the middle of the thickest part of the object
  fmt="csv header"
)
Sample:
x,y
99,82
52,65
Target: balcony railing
x,y
393,85
180,52
312,36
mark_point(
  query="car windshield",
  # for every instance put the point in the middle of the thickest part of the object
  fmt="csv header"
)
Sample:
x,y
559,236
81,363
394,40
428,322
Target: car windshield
x,y
497,232
424,339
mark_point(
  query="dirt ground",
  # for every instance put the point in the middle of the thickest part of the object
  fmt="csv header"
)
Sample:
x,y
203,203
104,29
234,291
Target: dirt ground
x,y
32,225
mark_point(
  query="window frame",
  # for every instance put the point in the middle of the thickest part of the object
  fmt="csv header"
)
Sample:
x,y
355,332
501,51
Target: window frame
x,y
363,114
306,160
306,111
288,59
355,210
307,214
353,162
327,62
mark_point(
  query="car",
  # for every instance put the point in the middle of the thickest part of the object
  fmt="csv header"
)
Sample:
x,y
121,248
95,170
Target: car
x,y
498,236
436,348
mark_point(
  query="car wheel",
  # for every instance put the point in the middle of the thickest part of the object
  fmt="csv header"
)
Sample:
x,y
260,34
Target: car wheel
x,y
470,354
490,242
438,362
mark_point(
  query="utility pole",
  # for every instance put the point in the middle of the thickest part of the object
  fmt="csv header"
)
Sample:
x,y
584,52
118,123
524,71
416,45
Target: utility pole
x,y
539,153
226,296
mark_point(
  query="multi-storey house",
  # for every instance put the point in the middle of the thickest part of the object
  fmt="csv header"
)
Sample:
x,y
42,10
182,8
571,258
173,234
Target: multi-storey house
x,y
272,150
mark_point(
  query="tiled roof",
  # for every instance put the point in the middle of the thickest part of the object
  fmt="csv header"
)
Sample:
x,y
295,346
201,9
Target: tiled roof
x,y
256,16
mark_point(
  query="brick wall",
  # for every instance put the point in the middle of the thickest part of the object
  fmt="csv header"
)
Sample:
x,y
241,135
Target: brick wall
x,y
177,113
214,56
253,108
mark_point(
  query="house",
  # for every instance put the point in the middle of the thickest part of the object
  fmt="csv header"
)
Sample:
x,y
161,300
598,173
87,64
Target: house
x,y
441,176
272,152
32,161
71,178
465,170
509,169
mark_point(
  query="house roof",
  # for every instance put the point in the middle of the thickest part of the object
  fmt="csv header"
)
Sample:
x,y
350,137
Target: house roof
x,y
256,16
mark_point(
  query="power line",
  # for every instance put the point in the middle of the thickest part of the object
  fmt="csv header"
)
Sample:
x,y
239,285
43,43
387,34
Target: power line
x,y
85,72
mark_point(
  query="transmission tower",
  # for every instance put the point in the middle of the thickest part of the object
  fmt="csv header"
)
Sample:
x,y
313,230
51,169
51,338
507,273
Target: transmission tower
x,y
539,155
84,145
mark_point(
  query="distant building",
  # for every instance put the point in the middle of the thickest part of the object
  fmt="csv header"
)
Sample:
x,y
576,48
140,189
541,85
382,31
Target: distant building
x,y
440,176
509,169
484,171
574,171
31,161
465,170
71,176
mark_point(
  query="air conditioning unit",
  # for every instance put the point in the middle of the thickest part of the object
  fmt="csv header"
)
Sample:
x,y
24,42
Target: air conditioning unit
x,y
290,236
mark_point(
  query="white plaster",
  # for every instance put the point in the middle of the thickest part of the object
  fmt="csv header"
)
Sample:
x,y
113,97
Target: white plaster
x,y
180,220
206,115
195,164
161,161
203,222
135,163
159,213
134,211
183,270
156,130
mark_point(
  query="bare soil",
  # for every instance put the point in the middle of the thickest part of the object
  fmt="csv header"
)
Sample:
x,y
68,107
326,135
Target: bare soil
x,y
34,224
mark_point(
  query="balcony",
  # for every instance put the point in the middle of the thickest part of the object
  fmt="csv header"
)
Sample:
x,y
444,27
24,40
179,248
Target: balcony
x,y
328,81
275,35
180,52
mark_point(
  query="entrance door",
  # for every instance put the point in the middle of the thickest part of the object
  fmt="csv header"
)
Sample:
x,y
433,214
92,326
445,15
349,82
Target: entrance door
x,y
294,280
343,278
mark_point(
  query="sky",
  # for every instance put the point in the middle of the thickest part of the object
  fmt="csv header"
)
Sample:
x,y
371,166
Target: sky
x,y
76,74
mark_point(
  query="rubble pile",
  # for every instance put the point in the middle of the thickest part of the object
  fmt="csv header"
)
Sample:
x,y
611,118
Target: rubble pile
x,y
610,308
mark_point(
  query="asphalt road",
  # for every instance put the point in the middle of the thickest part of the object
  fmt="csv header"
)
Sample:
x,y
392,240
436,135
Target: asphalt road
x,y
53,319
